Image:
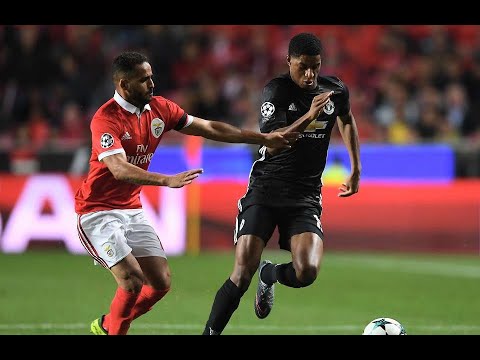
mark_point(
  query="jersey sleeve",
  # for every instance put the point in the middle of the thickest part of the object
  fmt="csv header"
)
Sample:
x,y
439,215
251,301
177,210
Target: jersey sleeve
x,y
177,116
273,111
343,97
105,138
344,101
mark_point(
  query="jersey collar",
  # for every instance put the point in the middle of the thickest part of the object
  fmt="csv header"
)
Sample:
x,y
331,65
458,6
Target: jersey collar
x,y
127,106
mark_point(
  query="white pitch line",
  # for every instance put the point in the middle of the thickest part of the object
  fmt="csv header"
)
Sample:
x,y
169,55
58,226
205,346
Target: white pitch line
x,y
194,327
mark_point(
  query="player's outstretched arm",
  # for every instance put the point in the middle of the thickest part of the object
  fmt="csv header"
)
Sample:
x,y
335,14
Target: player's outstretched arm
x,y
124,171
348,129
220,131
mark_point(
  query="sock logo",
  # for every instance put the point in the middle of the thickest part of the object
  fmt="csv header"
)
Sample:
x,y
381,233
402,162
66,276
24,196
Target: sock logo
x,y
212,332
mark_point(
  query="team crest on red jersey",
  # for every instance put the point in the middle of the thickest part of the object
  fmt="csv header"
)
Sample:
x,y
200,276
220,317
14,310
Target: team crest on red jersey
x,y
157,127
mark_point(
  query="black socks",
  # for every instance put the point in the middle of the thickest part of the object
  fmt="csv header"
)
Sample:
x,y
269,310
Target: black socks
x,y
283,273
225,303
269,274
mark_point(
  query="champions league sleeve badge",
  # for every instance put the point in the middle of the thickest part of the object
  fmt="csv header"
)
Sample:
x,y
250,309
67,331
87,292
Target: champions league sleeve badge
x,y
267,110
106,140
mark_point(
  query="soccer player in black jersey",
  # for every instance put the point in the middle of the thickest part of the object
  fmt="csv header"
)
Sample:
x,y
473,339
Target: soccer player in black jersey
x,y
284,188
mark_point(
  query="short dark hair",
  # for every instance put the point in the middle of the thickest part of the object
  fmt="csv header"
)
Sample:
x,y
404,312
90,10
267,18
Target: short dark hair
x,y
305,44
125,63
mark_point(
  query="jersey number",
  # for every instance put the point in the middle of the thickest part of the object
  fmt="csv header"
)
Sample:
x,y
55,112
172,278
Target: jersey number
x,y
316,125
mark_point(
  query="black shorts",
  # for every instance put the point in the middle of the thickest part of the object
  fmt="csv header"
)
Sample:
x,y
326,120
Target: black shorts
x,y
261,220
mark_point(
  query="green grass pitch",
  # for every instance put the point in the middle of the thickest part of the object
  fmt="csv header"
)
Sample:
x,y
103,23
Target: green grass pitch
x,y
52,292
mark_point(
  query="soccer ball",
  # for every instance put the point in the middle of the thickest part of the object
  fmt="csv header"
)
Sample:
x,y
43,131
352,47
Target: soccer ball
x,y
384,326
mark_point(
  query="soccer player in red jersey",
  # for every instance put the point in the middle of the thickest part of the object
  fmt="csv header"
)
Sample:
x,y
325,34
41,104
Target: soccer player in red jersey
x,y
111,224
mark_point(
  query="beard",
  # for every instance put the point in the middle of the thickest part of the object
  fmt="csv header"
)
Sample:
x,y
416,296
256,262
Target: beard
x,y
141,100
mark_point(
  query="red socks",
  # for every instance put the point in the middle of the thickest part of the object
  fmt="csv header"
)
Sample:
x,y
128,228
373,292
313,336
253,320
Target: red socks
x,y
147,298
127,306
117,322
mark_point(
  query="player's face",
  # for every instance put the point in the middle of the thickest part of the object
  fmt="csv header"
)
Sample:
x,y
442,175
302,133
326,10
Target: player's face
x,y
140,86
304,70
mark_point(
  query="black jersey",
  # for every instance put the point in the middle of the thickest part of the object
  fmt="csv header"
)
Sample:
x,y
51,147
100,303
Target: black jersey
x,y
293,176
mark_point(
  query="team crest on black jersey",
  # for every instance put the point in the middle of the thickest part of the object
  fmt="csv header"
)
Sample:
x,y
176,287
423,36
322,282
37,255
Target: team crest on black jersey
x,y
157,127
329,107
106,140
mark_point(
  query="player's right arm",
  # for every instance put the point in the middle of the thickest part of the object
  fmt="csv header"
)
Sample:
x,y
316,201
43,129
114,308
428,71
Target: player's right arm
x,y
122,170
107,148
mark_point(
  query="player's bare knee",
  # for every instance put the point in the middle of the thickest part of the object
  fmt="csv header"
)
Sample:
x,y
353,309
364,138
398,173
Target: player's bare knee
x,y
307,274
166,281
163,282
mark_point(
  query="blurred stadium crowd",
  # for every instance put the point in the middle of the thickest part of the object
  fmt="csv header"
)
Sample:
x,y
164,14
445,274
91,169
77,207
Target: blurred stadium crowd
x,y
408,83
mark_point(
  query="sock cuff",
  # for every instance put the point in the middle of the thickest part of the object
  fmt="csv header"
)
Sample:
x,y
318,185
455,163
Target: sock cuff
x,y
124,294
150,292
232,288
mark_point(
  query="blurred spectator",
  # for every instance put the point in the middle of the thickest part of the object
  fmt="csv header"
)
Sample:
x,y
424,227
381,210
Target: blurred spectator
x,y
429,126
163,50
73,131
412,83
456,106
23,158
211,103
396,112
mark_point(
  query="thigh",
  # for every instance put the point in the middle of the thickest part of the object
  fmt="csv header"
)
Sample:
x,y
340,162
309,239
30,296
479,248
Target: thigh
x,y
142,237
257,220
102,234
128,273
298,220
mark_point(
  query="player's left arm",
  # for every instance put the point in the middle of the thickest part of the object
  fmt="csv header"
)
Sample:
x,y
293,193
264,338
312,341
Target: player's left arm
x,y
348,129
220,131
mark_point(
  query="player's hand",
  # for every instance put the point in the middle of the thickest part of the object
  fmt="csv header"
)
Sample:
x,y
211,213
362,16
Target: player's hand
x,y
350,186
183,178
318,103
280,139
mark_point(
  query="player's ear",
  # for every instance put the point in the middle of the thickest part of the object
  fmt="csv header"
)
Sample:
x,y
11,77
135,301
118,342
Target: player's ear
x,y
124,84
288,60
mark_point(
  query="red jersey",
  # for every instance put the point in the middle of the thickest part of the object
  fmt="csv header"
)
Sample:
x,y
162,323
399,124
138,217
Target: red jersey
x,y
116,127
